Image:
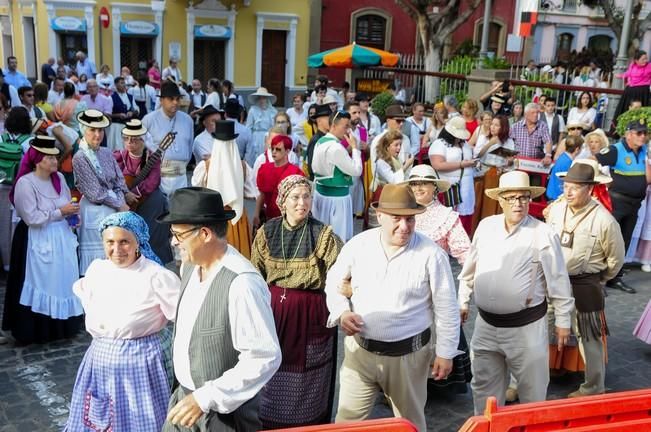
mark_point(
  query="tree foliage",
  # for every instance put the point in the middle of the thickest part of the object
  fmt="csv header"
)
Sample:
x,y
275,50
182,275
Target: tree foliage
x,y
615,17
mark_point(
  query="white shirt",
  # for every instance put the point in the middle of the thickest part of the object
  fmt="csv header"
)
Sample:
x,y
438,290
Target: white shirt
x,y
213,99
386,174
158,125
331,154
175,72
451,154
499,265
550,121
586,117
296,118
252,329
196,98
416,129
404,148
53,97
400,296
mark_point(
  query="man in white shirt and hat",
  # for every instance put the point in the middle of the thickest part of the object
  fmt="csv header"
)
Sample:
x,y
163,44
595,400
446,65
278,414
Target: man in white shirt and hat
x,y
515,264
402,287
168,119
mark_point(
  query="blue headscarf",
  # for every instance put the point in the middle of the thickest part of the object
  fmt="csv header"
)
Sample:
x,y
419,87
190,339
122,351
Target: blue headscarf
x,y
135,224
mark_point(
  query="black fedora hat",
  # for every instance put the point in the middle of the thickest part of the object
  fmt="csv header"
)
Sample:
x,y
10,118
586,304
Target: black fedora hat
x,y
225,130
169,89
232,108
321,111
196,205
208,110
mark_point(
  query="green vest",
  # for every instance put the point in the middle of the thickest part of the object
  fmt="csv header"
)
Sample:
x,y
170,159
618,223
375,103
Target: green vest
x,y
338,184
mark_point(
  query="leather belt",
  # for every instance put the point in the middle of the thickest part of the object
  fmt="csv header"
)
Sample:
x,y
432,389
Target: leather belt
x,y
397,348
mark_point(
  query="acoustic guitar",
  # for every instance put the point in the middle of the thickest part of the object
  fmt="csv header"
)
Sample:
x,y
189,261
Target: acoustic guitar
x,y
133,181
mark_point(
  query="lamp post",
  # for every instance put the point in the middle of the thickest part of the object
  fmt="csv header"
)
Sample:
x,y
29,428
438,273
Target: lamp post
x,y
622,60
483,49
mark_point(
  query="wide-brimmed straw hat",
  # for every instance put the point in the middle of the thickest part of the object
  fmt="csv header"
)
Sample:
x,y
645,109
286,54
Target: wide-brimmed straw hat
x,y
93,118
261,92
398,200
456,126
514,181
134,127
584,171
425,173
45,144
329,99
196,205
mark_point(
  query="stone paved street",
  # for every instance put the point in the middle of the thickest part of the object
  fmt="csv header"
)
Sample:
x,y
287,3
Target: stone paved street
x,y
36,381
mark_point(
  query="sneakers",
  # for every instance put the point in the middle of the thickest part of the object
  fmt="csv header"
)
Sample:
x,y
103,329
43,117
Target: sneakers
x,y
646,268
579,393
511,394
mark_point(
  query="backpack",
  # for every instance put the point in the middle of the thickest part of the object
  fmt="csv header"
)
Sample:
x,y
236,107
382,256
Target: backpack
x,y
11,152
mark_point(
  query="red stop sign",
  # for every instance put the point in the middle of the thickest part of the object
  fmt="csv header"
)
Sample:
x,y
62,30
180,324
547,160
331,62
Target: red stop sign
x,y
104,17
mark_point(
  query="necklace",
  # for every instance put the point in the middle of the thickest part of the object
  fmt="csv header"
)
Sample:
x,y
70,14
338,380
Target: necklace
x,y
282,246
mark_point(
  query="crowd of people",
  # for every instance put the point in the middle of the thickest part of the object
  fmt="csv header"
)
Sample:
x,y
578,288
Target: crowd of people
x,y
210,250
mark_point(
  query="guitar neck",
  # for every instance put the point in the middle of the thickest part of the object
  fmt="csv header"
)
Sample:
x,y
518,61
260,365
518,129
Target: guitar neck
x,y
153,159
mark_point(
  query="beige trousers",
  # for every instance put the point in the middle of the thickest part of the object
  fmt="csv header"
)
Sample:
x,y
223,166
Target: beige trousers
x,y
402,379
495,351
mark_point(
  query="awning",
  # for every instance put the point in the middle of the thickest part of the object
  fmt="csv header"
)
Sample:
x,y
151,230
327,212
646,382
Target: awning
x,y
139,28
68,24
212,31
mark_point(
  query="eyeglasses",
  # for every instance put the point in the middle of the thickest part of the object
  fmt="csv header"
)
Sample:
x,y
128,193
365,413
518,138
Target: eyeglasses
x,y
640,133
179,236
522,199
574,128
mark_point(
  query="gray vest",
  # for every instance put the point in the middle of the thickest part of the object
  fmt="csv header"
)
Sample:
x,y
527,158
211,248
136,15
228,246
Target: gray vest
x,y
211,349
555,127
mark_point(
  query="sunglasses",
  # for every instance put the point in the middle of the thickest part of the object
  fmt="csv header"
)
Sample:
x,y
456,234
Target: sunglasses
x,y
574,128
640,133
398,120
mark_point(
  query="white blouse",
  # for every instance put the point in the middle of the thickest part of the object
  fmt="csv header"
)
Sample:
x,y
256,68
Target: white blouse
x,y
130,302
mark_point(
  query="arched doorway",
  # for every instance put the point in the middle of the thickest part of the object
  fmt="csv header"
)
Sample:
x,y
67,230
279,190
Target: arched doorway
x,y
564,46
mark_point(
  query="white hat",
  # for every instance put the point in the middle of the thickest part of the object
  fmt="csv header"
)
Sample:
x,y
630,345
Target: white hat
x,y
547,69
514,181
261,92
329,99
426,173
456,126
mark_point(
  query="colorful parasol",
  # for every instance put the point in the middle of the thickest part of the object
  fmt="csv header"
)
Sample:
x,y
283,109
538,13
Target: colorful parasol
x,y
351,56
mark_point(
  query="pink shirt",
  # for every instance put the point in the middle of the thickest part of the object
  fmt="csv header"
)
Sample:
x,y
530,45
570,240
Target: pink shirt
x,y
127,303
442,224
638,75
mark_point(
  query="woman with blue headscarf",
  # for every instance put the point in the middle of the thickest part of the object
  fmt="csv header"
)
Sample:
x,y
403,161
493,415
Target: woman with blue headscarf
x,y
124,380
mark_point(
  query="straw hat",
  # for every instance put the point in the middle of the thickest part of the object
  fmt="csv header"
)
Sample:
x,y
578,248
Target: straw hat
x,y
134,127
398,200
329,99
425,173
514,181
261,92
584,171
457,127
45,144
93,118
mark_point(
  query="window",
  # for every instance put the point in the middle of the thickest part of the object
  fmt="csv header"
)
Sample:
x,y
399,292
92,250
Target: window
x,y
493,36
564,46
371,31
600,43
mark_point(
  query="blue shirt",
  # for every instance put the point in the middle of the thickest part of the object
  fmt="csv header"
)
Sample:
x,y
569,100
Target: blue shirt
x,y
158,125
555,184
16,79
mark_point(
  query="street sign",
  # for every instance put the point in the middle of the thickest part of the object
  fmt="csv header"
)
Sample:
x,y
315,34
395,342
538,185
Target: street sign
x,y
104,17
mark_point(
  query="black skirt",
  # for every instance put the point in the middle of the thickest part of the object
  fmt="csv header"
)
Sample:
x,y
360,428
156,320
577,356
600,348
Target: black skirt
x,y
456,382
29,327
640,93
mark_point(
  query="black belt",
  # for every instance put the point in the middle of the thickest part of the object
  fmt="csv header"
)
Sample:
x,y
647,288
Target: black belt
x,y
515,319
397,348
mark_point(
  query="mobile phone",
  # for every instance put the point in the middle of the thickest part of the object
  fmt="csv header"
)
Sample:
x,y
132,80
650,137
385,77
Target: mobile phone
x,y
505,86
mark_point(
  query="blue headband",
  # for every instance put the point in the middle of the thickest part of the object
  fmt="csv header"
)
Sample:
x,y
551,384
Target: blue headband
x,y
130,221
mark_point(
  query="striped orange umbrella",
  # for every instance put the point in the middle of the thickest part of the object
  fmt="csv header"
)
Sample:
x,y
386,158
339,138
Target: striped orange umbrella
x,y
351,56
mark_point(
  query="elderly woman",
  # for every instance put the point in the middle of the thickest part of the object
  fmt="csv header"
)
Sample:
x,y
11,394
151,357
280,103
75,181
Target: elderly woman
x,y
442,225
39,304
451,157
99,178
260,118
124,380
293,253
142,175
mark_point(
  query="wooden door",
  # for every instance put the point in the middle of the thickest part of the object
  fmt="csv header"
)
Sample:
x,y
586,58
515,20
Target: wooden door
x,y
209,58
135,52
274,61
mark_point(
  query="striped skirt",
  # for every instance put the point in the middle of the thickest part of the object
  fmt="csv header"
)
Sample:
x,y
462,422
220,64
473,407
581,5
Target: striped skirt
x,y
123,385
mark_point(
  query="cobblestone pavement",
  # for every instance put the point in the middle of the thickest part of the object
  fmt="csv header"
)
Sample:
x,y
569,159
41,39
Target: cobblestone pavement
x,y
36,381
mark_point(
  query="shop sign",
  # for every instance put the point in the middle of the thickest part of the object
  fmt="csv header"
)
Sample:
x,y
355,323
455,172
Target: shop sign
x,y
139,28
212,31
371,85
68,24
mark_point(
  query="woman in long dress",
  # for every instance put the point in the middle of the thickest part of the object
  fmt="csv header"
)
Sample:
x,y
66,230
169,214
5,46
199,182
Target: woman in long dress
x,y
260,118
39,304
144,197
125,378
442,225
294,253
99,178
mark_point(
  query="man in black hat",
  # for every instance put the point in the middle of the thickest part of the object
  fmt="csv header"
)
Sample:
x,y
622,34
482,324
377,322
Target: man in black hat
x,y
631,174
593,249
322,119
233,110
168,119
225,344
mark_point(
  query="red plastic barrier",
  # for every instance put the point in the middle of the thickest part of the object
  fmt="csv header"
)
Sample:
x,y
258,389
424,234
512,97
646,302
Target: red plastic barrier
x,y
380,425
623,411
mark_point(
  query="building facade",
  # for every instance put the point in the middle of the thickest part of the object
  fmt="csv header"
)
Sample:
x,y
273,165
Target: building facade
x,y
250,42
